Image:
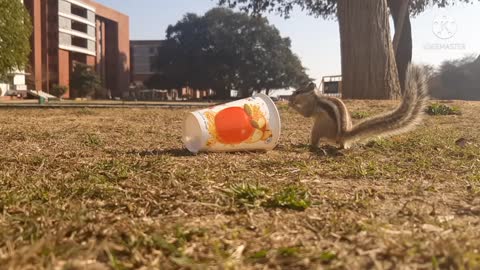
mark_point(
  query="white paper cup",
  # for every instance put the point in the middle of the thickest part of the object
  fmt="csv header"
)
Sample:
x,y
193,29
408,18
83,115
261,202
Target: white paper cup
x,y
243,125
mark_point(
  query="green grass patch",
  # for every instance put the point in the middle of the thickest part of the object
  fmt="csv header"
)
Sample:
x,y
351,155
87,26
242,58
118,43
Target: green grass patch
x,y
442,109
259,255
327,256
116,188
288,251
85,112
247,193
93,140
292,197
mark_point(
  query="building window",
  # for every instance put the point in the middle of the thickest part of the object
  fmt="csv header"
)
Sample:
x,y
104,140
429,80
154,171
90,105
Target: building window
x,y
79,11
81,27
153,63
79,42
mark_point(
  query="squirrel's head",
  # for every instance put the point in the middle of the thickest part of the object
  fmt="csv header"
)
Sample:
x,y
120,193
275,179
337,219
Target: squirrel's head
x,y
303,100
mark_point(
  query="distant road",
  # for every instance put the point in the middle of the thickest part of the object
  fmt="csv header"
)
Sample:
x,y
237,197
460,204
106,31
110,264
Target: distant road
x,y
102,104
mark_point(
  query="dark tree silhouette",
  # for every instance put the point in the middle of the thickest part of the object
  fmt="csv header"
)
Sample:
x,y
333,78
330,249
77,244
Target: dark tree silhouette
x,y
225,50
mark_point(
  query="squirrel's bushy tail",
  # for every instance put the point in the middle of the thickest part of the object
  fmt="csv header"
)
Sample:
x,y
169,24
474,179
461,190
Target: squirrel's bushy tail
x,y
402,119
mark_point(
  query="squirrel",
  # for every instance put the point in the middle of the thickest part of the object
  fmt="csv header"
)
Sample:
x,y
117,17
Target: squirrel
x,y
333,124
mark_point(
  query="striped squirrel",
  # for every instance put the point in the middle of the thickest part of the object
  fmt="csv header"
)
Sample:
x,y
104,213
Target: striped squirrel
x,y
333,124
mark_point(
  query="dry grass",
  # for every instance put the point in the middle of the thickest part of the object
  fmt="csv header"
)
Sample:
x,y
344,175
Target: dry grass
x,y
113,189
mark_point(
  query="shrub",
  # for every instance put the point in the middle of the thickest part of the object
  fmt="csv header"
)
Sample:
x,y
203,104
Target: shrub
x,y
58,90
442,109
85,80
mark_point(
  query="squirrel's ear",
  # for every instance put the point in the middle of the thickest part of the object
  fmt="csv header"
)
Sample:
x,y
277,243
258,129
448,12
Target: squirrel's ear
x,y
305,89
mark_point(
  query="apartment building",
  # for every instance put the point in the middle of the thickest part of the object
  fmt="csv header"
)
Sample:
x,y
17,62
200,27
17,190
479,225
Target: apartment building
x,y
143,56
143,53
66,32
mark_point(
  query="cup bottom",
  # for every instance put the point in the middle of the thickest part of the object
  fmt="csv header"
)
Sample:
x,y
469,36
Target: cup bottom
x,y
192,134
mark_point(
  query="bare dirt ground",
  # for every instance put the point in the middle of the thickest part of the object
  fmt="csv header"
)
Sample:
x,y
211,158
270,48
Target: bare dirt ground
x,y
114,189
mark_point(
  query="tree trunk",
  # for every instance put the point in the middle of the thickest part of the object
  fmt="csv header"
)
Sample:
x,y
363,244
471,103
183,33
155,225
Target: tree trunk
x,y
368,62
222,94
403,53
244,93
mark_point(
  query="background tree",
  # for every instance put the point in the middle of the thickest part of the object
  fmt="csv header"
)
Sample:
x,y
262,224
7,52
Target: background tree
x,y
369,70
224,50
86,82
58,90
15,31
457,79
400,10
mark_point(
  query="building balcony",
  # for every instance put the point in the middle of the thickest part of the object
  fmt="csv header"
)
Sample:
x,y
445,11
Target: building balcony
x,y
77,34
77,43
73,48
76,18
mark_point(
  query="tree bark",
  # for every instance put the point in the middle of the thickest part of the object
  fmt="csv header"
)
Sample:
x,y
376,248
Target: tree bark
x,y
403,52
222,94
368,62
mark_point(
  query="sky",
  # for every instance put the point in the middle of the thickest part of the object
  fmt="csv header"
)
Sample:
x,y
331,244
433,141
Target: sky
x,y
315,40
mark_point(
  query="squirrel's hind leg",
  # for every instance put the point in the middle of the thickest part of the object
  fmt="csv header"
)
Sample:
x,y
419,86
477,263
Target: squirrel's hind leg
x,y
324,130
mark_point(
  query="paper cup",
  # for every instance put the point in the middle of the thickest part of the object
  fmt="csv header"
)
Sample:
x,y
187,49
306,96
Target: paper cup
x,y
243,125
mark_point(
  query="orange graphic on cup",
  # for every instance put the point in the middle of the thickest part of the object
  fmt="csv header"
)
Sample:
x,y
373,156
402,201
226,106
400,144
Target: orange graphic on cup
x,y
247,124
235,125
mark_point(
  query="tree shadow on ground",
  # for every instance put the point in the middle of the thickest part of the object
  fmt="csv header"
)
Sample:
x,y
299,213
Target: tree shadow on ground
x,y
322,151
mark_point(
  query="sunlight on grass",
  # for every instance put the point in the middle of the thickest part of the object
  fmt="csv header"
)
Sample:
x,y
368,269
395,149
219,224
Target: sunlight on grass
x,y
114,188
